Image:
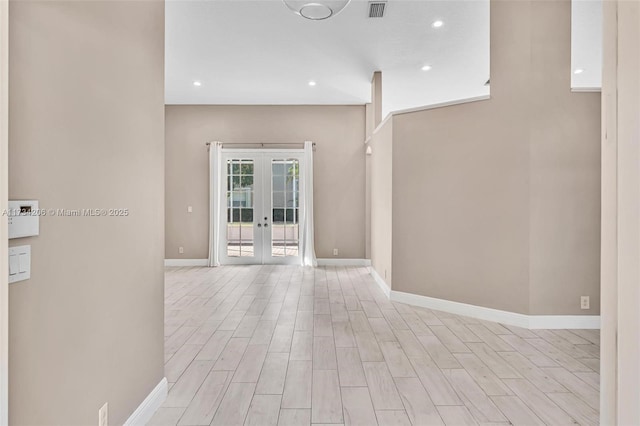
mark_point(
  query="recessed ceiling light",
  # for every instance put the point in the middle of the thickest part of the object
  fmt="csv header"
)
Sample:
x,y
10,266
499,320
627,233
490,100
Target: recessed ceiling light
x,y
197,83
426,68
312,83
437,24
578,71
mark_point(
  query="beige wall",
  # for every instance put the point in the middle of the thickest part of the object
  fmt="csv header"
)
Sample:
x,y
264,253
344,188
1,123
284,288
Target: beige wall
x,y
381,175
339,169
4,191
564,166
367,201
460,229
376,98
495,203
620,371
87,131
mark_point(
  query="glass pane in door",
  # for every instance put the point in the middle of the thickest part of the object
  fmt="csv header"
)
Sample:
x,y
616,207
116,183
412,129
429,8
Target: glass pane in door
x,y
240,195
284,214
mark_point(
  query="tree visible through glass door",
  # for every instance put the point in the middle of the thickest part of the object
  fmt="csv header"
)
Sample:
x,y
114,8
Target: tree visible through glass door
x,y
263,207
285,212
240,208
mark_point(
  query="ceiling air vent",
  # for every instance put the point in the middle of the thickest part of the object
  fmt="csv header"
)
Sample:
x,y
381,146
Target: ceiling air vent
x,y
376,9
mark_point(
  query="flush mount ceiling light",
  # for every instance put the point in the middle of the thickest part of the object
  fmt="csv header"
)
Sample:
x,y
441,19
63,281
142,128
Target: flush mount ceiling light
x,y
578,71
316,10
426,68
312,83
437,24
197,83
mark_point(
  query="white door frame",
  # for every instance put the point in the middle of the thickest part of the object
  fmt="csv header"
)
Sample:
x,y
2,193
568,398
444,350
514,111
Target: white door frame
x,y
227,154
4,196
268,258
258,155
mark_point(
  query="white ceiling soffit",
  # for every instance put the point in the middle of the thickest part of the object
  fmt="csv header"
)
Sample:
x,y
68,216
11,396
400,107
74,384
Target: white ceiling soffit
x,y
586,44
259,52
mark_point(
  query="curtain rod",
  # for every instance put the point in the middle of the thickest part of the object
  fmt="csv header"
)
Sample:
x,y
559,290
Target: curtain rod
x,y
262,144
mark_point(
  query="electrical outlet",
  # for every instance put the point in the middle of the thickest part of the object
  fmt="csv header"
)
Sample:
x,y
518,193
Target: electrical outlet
x,y
584,302
189,209
335,252
103,415
181,250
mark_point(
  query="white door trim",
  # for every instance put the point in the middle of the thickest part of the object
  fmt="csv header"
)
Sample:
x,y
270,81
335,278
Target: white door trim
x,y
4,196
270,155
256,157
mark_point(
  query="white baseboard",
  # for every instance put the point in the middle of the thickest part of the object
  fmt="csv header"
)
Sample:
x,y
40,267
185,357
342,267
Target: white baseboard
x,y
186,262
344,262
489,314
381,282
569,322
473,311
150,405
321,262
496,315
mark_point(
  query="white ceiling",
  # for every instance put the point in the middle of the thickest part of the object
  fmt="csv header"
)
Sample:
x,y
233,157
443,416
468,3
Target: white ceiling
x,y
586,44
259,52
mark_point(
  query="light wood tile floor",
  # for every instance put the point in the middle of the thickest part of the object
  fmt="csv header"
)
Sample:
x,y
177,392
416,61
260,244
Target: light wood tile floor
x,y
285,345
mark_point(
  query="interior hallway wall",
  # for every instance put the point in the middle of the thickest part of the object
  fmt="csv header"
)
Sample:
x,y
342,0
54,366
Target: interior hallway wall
x,y
339,169
87,132
496,203
564,165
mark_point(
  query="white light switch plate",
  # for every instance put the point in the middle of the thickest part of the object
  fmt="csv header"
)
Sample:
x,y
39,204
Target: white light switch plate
x,y
19,263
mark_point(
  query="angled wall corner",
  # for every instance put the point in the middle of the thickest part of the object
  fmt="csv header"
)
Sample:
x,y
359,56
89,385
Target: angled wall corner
x,y
496,203
380,174
376,98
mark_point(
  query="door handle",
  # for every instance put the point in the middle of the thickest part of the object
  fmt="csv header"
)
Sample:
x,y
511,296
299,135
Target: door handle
x,y
266,225
259,225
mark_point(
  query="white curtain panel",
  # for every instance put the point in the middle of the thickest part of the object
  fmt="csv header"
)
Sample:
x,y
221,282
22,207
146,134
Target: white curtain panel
x,y
308,249
215,200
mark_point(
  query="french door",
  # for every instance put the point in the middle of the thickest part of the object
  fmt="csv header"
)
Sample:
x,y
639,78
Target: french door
x,y
260,221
